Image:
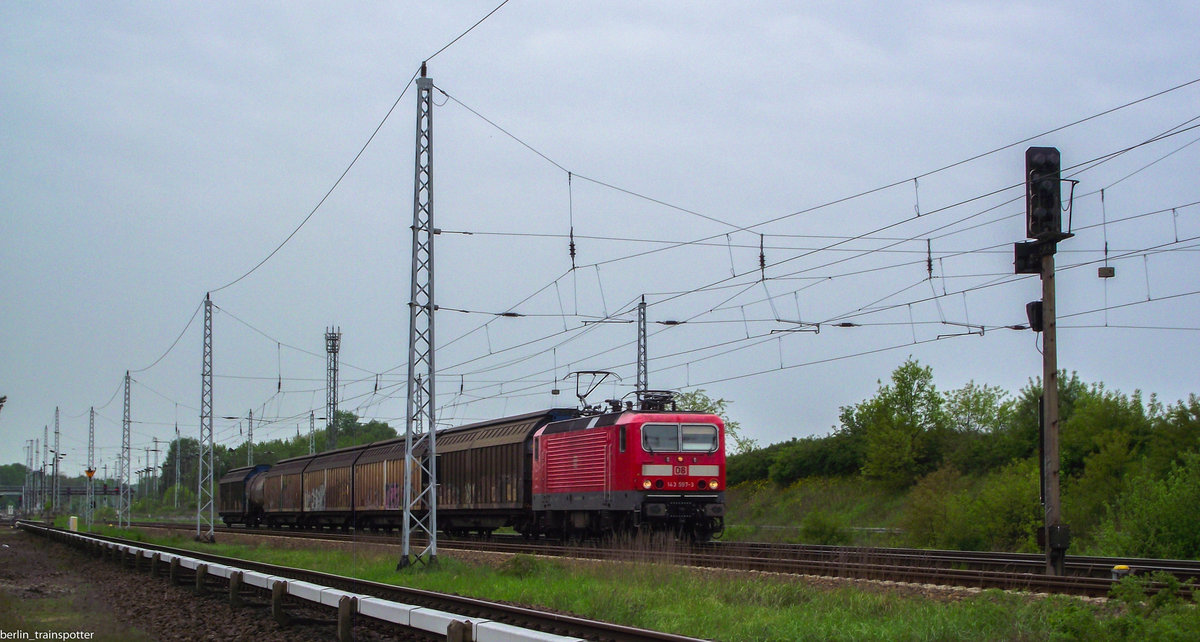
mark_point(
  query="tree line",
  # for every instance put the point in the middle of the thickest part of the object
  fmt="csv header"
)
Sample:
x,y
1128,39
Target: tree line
x,y
967,461
187,451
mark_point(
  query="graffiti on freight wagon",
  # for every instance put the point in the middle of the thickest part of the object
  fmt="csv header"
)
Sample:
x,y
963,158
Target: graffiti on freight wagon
x,y
315,499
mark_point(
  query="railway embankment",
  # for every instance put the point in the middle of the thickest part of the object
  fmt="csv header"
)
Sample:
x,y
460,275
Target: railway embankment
x,y
728,605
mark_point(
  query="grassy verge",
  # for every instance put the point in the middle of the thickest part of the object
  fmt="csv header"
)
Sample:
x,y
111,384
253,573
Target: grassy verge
x,y
840,511
736,607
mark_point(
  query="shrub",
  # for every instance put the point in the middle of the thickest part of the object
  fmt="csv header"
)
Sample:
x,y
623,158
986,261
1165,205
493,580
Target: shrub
x,y
1003,514
929,504
1000,512
1156,517
819,527
521,565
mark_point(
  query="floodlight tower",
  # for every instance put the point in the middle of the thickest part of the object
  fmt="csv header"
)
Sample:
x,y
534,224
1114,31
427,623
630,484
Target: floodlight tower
x,y
333,344
420,502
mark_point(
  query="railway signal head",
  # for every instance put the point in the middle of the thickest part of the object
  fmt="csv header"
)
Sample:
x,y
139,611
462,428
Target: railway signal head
x,y
1043,197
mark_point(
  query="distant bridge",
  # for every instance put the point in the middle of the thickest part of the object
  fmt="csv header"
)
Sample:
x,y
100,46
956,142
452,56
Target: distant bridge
x,y
63,491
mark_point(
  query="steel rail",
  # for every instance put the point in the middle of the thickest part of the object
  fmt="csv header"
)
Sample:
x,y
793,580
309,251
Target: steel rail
x,y
556,623
1077,565
910,565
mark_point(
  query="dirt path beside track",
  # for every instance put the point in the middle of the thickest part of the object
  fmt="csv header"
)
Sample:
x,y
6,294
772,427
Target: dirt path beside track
x,y
49,587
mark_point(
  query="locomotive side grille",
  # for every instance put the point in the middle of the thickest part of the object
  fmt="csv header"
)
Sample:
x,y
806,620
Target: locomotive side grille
x,y
575,464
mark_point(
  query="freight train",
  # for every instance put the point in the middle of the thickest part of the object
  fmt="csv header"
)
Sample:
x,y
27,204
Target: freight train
x,y
554,473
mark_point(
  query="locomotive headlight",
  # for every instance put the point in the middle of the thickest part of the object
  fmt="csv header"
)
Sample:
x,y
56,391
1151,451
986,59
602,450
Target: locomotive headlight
x,y
646,484
714,483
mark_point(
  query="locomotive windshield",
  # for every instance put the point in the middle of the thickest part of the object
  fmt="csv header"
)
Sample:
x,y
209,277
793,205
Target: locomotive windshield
x,y
679,438
699,437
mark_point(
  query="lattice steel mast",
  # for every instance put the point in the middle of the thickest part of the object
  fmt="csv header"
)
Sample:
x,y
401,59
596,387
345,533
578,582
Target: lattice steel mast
x,y
154,471
178,456
90,503
27,496
54,464
125,499
643,372
250,438
333,344
312,432
45,448
420,503
204,474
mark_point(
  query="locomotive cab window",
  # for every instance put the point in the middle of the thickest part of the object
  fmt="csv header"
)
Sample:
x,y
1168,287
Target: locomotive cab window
x,y
660,438
698,438
679,438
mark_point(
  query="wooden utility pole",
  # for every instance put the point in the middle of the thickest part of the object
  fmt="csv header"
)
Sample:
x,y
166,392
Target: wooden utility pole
x,y
1057,535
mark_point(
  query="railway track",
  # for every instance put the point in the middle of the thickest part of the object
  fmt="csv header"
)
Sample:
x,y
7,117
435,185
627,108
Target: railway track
x,y
1089,576
553,623
1076,565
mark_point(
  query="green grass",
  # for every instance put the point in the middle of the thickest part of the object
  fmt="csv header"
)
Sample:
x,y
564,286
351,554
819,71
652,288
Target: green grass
x,y
813,511
732,607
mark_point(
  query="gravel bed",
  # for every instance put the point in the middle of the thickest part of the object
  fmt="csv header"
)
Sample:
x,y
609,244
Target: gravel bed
x,y
126,603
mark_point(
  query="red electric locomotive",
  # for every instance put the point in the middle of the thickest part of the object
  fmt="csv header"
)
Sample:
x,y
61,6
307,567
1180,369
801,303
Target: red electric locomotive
x,y
631,470
557,473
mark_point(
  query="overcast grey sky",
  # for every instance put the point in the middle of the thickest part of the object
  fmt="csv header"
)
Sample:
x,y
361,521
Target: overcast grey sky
x,y
157,151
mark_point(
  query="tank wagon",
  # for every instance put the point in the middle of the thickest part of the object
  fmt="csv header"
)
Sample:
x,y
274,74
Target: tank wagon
x,y
555,472
237,505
